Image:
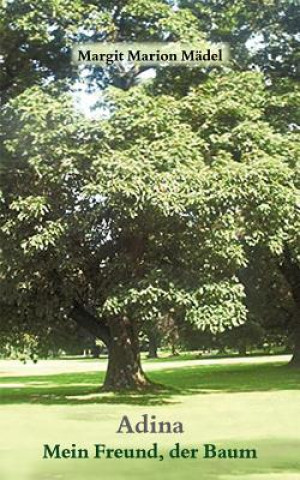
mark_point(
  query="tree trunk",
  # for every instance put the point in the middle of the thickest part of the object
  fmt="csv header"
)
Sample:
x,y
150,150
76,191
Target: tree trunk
x,y
174,350
295,361
291,271
124,370
242,349
90,323
152,353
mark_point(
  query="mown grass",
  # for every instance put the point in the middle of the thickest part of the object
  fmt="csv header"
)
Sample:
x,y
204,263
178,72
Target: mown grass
x,y
81,388
212,401
166,356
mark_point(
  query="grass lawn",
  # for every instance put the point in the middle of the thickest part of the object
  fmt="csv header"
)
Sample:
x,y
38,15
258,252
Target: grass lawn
x,y
232,406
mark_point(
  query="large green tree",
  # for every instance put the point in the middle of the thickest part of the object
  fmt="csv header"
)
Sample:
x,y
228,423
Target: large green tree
x,y
146,214
150,213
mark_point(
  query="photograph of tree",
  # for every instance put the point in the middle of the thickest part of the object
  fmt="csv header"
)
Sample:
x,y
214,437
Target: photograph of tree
x,y
149,244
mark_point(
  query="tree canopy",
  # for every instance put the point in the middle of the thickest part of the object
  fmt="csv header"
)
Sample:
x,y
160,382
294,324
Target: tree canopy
x,y
152,212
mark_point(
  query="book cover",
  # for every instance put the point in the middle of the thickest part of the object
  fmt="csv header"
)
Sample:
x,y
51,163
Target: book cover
x,y
149,240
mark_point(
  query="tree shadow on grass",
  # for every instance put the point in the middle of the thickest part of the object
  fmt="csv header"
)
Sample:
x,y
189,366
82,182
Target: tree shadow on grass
x,y
169,385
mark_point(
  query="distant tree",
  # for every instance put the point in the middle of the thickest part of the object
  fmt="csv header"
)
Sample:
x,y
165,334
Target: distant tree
x,y
242,338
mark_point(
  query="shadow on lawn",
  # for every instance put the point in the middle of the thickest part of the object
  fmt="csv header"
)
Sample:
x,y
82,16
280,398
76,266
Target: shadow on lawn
x,y
84,388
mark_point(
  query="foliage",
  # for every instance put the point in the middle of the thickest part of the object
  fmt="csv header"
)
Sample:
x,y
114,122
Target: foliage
x,y
261,32
37,36
154,212
147,213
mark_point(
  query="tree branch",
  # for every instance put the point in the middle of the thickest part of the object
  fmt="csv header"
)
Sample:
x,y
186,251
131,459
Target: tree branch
x,y
90,323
